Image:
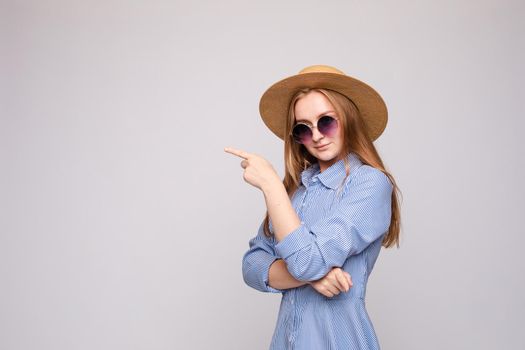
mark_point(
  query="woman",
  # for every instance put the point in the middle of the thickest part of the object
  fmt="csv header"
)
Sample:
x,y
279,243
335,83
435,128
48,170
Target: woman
x,y
327,220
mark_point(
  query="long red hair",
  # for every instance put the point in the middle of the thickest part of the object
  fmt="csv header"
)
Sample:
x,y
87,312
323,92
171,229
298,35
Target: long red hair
x,y
355,140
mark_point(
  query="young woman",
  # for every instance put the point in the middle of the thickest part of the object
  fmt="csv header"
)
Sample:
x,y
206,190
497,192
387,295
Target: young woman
x,y
327,220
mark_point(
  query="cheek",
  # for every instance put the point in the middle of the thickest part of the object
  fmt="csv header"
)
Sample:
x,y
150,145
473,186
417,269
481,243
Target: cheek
x,y
340,134
340,140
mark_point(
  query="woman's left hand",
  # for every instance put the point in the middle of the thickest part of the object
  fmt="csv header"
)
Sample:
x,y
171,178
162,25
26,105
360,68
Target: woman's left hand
x,y
258,171
333,283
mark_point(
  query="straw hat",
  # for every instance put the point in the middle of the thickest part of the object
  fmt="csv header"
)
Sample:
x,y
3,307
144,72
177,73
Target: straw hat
x,y
276,100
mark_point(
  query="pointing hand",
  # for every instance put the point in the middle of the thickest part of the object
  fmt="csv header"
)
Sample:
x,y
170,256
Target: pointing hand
x,y
258,171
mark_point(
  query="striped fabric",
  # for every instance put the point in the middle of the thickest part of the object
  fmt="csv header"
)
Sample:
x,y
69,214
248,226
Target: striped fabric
x,y
338,228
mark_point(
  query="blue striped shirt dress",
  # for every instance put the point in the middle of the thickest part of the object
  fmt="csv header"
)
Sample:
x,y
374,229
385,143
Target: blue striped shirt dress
x,y
342,225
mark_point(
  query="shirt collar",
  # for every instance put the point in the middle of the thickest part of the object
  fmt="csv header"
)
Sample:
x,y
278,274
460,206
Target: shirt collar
x,y
333,175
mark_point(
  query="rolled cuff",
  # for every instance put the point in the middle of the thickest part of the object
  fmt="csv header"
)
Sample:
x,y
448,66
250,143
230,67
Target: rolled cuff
x,y
256,272
295,241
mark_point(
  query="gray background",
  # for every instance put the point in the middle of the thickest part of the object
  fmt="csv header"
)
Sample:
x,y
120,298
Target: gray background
x,y
123,222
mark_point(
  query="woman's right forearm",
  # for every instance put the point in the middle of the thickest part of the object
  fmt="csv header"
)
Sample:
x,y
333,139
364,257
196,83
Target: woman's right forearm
x,y
280,278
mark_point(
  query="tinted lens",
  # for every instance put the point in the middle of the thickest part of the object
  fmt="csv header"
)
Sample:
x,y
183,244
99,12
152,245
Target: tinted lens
x,y
327,125
302,133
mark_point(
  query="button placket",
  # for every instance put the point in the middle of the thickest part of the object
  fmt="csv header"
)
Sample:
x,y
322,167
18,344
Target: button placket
x,y
292,325
303,199
307,193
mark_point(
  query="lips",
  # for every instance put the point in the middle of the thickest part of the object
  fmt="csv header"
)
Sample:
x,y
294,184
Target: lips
x,y
322,147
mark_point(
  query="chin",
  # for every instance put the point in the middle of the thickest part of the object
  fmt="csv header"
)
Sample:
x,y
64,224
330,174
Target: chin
x,y
324,157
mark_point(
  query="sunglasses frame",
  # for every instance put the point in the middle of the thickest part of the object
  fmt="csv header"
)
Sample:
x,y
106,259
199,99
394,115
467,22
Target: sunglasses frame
x,y
312,127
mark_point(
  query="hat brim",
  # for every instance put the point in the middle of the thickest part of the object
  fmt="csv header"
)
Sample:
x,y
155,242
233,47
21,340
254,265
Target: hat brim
x,y
275,102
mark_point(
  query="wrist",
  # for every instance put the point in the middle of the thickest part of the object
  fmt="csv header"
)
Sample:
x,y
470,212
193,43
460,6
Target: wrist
x,y
272,185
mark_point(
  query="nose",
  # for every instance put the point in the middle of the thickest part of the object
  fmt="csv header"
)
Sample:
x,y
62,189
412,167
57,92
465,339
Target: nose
x,y
316,135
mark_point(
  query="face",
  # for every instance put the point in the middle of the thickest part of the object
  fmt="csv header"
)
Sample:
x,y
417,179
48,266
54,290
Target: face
x,y
326,148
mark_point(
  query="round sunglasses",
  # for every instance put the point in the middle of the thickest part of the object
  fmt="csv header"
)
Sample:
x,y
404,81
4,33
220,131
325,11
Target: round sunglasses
x,y
302,133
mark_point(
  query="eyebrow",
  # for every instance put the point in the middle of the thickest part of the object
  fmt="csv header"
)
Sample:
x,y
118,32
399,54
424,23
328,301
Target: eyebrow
x,y
320,115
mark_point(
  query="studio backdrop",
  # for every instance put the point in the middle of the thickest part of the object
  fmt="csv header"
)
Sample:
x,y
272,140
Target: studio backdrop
x,y
123,222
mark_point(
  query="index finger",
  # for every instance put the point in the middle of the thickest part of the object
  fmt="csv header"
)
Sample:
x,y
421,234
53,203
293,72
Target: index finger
x,y
237,152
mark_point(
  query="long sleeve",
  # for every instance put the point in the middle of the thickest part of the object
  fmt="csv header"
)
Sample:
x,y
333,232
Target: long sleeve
x,y
361,217
256,262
